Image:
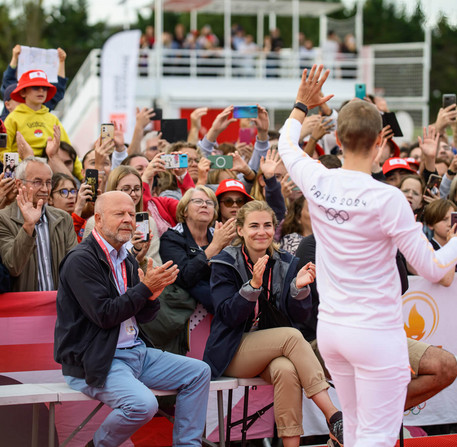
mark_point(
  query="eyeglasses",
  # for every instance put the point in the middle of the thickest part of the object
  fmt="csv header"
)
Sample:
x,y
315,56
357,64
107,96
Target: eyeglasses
x,y
39,183
201,202
152,148
129,189
229,202
65,192
39,87
193,160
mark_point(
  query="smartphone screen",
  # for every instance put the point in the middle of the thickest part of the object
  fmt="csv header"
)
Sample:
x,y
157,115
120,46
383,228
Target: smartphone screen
x,y
360,91
454,220
10,162
92,180
433,184
245,112
142,224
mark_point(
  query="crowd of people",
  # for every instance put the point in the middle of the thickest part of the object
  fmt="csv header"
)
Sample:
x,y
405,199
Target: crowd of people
x,y
336,50
242,242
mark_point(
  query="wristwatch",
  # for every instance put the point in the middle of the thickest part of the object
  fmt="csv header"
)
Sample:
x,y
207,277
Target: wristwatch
x,y
302,107
451,173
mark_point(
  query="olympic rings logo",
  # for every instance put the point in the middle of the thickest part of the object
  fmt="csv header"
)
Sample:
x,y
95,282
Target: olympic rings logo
x,y
338,216
415,410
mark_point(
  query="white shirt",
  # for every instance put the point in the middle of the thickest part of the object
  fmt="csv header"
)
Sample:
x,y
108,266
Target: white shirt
x,y
359,223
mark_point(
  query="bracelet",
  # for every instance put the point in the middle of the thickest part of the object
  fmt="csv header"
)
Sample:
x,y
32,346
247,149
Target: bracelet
x,y
312,138
302,107
135,251
451,173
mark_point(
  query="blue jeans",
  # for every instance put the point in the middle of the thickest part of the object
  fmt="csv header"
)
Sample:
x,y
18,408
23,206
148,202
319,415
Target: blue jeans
x,y
126,390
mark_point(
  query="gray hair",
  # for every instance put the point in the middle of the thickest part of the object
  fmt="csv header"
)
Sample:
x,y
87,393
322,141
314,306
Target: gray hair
x,y
145,139
20,171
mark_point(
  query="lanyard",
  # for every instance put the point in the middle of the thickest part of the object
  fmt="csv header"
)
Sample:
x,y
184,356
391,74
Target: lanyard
x,y
110,262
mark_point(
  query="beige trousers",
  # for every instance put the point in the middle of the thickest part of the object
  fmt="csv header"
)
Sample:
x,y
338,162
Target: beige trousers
x,y
282,357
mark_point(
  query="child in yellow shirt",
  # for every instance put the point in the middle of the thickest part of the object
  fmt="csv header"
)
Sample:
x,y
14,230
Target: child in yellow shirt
x,y
31,118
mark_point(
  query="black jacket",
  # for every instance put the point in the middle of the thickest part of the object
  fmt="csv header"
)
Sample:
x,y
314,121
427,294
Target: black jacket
x,y
178,245
90,311
235,299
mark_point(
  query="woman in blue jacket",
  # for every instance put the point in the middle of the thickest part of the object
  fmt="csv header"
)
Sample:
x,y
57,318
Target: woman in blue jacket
x,y
258,298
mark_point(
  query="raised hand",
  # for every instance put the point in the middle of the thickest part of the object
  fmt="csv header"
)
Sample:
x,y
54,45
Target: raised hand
x,y
429,142
30,213
84,196
258,271
157,278
141,246
223,233
118,137
155,166
221,122
287,186
445,118
196,117
269,163
204,166
309,92
322,127
23,148
306,275
8,190
53,144
262,122
308,125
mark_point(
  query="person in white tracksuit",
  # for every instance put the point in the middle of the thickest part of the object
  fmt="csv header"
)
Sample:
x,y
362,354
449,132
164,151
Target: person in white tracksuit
x,y
359,223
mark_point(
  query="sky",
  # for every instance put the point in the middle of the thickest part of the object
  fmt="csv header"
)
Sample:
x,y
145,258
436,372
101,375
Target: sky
x,y
117,13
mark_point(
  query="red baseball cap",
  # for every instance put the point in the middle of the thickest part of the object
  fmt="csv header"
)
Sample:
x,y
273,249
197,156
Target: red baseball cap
x,y
33,78
230,185
396,163
413,163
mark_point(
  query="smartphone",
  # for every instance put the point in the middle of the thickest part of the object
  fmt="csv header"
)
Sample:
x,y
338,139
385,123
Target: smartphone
x,y
448,99
245,135
433,184
174,130
389,118
360,91
92,180
10,162
221,161
158,115
245,112
107,131
175,161
453,219
3,139
142,221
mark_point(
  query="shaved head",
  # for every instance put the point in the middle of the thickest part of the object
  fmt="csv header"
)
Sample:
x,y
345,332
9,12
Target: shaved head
x,y
115,217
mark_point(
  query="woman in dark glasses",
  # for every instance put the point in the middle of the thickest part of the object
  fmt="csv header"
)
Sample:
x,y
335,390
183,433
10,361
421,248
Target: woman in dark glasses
x,y
65,196
231,196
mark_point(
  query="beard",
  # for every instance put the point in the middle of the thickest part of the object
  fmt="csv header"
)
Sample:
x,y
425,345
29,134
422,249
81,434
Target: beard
x,y
117,236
